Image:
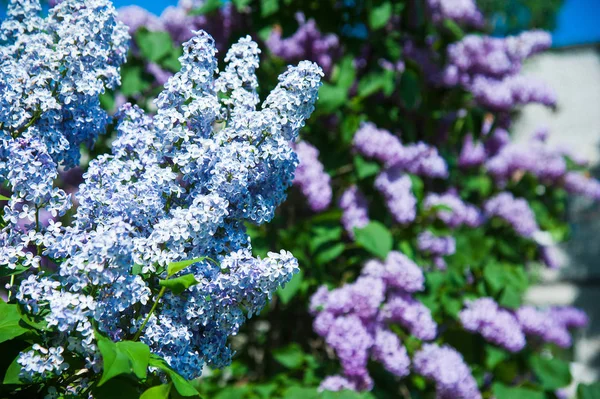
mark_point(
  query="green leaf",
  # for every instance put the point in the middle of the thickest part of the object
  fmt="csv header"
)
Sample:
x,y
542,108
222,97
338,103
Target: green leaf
x,y
511,297
331,97
241,4
107,100
365,168
494,356
157,392
552,373
300,393
591,391
375,238
375,82
410,90
321,235
291,356
345,394
330,253
10,326
175,267
13,371
3,198
379,16
179,284
5,271
207,7
232,392
345,73
418,187
291,288
154,45
171,61
268,7
132,81
183,387
123,357
504,392
454,28
265,391
116,388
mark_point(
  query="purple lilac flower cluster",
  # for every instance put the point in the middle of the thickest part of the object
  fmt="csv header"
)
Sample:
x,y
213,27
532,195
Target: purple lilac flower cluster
x,y
177,186
496,325
354,320
489,68
355,210
311,177
419,159
459,212
552,324
515,211
460,11
539,159
399,160
447,368
436,246
307,43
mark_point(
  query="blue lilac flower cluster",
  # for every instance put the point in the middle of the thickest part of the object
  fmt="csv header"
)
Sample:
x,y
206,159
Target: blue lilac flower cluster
x,y
177,186
355,320
49,107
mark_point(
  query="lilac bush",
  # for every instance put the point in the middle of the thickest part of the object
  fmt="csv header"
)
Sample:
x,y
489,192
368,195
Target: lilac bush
x,y
417,221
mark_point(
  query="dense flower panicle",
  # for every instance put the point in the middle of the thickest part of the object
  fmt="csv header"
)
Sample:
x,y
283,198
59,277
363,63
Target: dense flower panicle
x,y
579,183
497,57
47,362
420,158
376,143
496,141
180,186
551,325
136,17
534,157
489,67
388,350
307,43
436,245
472,154
354,208
515,211
396,188
353,320
311,177
460,11
411,314
398,271
496,325
49,107
460,213
447,368
336,383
